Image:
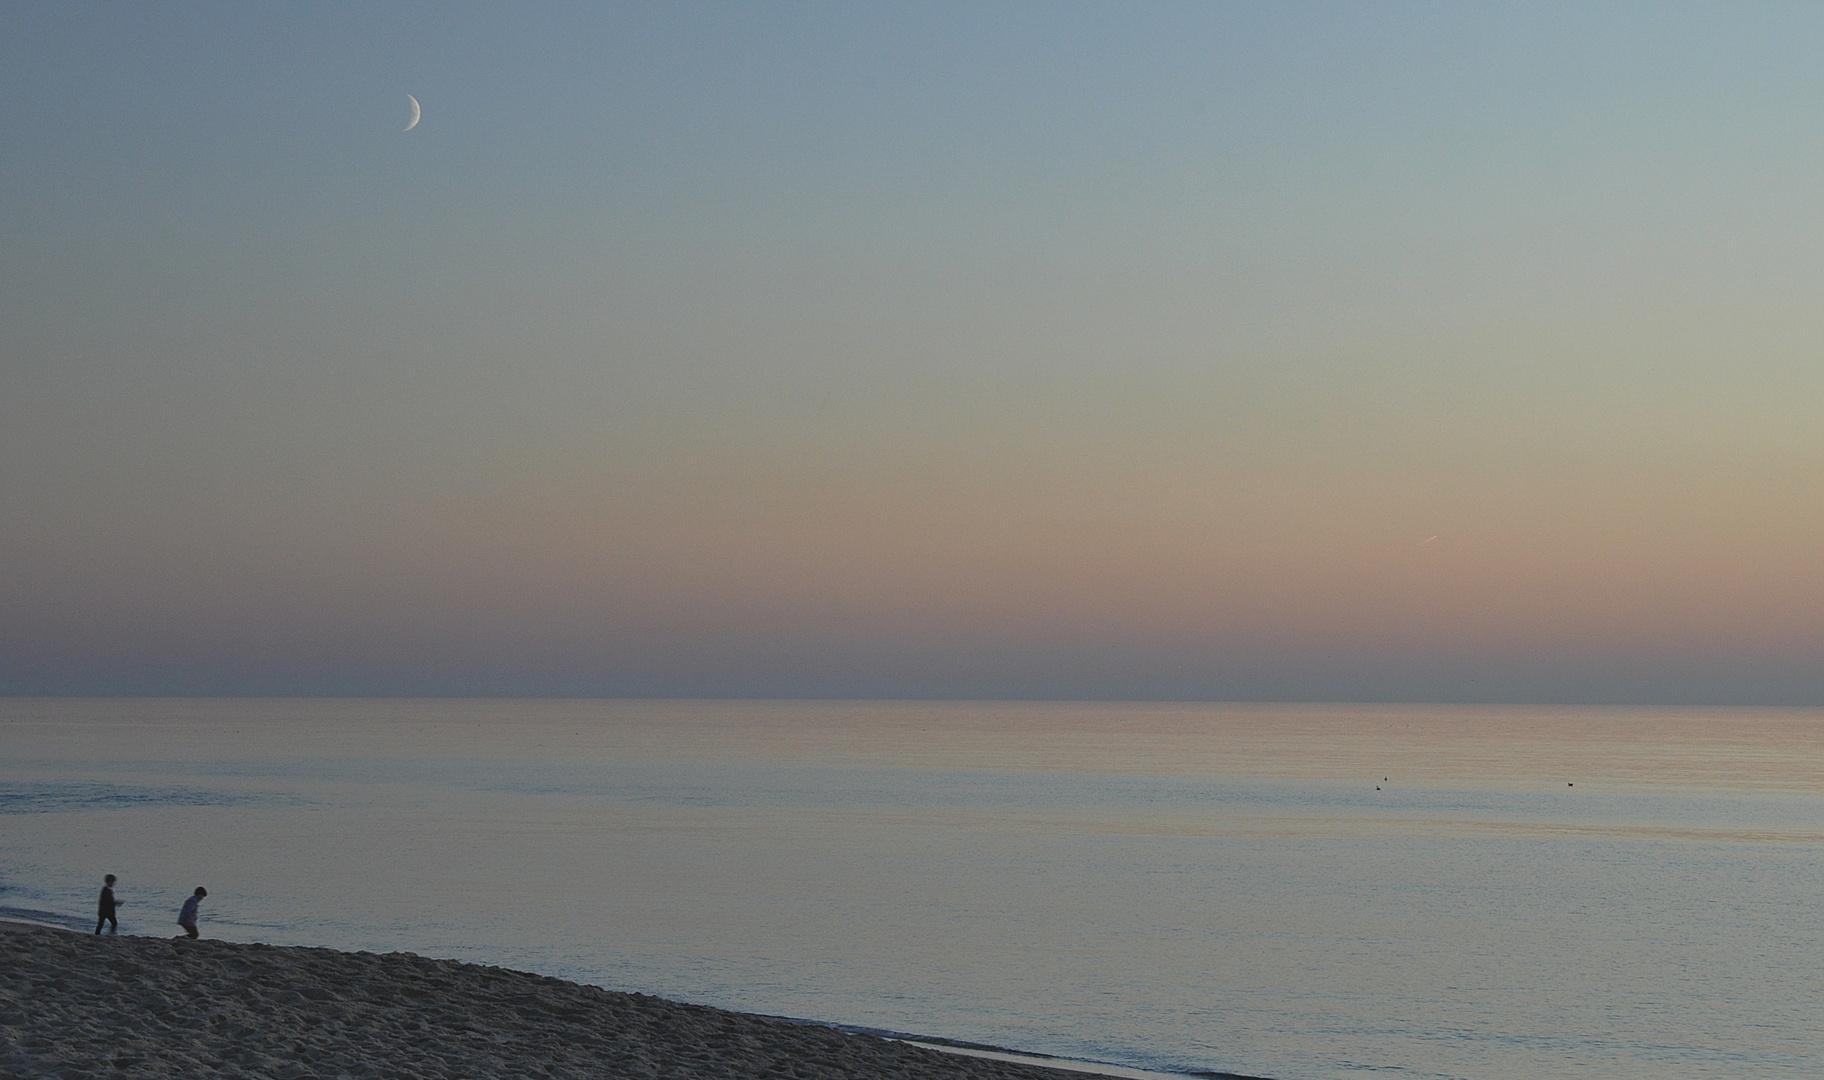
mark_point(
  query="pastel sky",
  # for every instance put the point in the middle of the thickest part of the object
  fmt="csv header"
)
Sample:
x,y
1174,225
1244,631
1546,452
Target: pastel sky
x,y
1441,352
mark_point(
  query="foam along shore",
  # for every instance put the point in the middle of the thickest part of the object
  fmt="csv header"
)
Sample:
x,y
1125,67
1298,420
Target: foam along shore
x,y
74,1005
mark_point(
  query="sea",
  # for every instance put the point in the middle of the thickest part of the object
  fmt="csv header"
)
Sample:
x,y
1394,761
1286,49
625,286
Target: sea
x,y
1298,892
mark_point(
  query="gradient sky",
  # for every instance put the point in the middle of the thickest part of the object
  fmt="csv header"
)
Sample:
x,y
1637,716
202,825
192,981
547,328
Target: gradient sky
x,y
1110,351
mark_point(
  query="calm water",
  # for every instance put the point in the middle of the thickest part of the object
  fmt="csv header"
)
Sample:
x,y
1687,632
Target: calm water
x,y
1168,887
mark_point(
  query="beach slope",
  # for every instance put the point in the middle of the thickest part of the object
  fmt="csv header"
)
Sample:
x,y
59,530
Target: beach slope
x,y
74,1005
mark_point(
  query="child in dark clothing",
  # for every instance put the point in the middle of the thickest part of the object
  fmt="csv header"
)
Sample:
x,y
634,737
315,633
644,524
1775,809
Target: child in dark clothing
x,y
108,904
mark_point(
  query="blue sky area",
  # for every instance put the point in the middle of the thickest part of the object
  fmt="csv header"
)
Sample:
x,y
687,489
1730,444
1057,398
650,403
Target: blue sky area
x,y
1280,351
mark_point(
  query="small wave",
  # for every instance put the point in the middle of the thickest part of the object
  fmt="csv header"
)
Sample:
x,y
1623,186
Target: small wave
x,y
77,796
42,918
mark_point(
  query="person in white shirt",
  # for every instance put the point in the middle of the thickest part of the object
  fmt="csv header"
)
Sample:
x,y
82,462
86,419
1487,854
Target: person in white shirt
x,y
187,917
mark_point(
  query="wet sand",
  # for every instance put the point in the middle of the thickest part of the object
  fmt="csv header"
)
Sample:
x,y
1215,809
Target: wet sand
x,y
74,1005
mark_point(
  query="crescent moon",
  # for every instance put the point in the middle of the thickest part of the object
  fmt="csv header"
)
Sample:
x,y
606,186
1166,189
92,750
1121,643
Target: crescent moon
x,y
416,112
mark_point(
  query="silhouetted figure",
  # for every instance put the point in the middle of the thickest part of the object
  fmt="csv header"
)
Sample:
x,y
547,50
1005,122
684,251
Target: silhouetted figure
x,y
108,904
187,917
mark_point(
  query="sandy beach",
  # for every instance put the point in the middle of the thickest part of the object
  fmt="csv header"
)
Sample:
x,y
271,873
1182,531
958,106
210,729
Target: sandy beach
x,y
75,1005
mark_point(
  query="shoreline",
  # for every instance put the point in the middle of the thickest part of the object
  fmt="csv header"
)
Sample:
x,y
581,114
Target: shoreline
x,y
73,1004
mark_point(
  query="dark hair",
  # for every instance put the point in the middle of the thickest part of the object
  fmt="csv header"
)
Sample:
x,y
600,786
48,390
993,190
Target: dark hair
x,y
200,891
109,879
